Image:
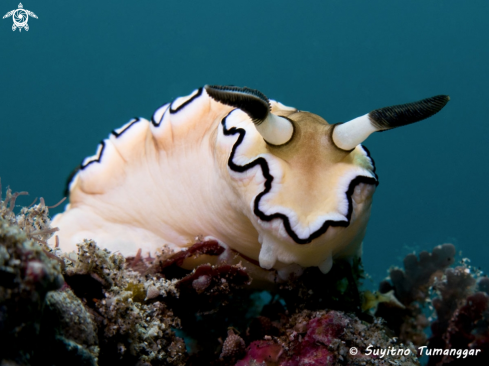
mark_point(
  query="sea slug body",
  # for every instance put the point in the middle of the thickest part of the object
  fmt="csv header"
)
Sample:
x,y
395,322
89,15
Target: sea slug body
x,y
280,186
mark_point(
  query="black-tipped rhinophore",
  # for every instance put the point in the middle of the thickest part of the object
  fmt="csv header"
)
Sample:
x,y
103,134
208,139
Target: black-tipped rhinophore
x,y
404,114
254,103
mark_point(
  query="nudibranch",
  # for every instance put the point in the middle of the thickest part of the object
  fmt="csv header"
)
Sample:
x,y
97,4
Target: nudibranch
x,y
280,186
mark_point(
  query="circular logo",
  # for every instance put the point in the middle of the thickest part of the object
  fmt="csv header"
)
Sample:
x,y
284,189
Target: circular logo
x,y
20,18
353,351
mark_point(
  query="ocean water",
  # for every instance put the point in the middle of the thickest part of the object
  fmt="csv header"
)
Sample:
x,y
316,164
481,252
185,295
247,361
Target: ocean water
x,y
85,68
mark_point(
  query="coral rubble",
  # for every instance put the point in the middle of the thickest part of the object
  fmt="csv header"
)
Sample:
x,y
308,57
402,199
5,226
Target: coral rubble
x,y
131,329
87,308
27,274
95,308
328,338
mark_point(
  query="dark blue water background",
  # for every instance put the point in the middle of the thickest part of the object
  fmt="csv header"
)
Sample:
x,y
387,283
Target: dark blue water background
x,y
87,67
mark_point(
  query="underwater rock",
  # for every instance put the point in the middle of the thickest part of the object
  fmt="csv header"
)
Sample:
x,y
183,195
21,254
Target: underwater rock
x,y
327,338
95,307
262,353
72,328
95,315
37,323
27,274
131,328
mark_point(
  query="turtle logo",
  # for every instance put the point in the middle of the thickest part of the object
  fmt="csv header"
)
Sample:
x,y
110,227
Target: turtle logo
x,y
20,17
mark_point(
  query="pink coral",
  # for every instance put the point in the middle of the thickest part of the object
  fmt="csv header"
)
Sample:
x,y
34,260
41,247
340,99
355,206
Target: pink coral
x,y
262,351
321,333
323,338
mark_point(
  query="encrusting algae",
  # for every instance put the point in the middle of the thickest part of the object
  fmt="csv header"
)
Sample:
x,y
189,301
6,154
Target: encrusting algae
x,y
94,307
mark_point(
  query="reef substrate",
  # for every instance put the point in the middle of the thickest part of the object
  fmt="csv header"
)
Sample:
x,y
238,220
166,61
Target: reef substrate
x,y
94,307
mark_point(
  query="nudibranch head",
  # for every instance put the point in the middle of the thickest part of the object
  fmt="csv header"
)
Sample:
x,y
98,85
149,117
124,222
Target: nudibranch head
x,y
314,202
280,186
